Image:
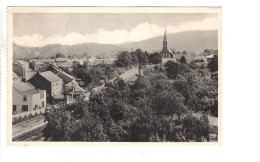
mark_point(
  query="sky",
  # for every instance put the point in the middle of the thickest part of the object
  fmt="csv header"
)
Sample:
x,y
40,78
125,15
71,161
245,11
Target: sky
x,y
40,29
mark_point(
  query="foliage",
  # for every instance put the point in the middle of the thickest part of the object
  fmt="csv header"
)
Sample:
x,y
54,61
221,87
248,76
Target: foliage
x,y
213,63
173,69
155,58
183,60
60,55
123,59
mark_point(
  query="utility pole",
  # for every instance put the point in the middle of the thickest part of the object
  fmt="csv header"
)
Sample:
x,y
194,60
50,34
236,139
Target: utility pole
x,y
65,95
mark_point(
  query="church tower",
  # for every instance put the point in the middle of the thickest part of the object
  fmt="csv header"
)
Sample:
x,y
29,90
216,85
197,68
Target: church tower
x,y
166,54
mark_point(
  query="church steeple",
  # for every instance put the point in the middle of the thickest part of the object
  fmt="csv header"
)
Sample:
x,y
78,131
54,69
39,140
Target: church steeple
x,y
165,41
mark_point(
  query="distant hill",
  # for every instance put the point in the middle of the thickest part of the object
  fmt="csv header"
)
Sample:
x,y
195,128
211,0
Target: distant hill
x,y
191,41
92,49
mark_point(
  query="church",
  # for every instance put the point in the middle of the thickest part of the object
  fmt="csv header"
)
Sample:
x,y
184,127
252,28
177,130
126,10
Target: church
x,y
166,54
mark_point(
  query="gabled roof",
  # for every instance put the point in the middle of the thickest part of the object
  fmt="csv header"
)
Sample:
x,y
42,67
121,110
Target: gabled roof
x,y
50,67
23,87
50,76
65,77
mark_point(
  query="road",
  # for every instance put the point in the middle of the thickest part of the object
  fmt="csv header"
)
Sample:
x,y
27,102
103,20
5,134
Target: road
x,y
26,127
129,75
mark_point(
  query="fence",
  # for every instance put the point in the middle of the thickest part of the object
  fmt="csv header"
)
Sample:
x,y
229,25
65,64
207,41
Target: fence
x,y
28,113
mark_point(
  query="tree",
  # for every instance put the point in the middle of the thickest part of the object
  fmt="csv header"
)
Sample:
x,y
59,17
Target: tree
x,y
134,59
196,129
60,55
123,59
155,58
183,60
173,69
169,103
213,63
142,58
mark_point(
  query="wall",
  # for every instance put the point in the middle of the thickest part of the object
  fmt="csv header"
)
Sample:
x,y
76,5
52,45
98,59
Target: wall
x,y
39,82
37,100
18,101
56,87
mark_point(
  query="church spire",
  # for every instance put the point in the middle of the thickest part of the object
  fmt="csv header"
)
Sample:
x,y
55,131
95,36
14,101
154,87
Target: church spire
x,y
165,41
165,38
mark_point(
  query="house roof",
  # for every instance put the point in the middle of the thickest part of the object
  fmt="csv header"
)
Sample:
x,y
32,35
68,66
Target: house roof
x,y
48,60
50,76
50,67
61,59
15,76
67,64
23,87
65,77
38,62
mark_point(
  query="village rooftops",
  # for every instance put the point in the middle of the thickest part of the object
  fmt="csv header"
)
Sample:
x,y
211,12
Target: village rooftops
x,y
50,76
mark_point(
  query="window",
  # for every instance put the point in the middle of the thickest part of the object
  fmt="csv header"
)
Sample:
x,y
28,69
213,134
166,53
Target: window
x,y
41,95
14,108
24,107
24,98
42,103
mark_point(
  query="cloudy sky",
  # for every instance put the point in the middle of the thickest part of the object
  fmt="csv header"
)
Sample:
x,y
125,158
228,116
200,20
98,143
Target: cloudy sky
x,y
39,29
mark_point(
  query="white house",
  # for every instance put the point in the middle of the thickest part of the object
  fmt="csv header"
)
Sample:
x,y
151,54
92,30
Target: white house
x,y
27,98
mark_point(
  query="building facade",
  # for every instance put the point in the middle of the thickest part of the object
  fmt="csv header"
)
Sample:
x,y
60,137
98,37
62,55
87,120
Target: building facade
x,y
27,98
47,81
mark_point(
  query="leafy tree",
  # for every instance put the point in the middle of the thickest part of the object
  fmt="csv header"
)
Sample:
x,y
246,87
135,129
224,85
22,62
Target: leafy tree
x,y
142,58
123,59
213,64
196,129
173,69
183,60
169,103
60,55
155,58
134,59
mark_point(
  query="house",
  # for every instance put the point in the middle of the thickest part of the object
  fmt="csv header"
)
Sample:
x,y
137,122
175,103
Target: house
x,y
37,65
27,98
71,88
47,81
72,91
59,61
19,67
